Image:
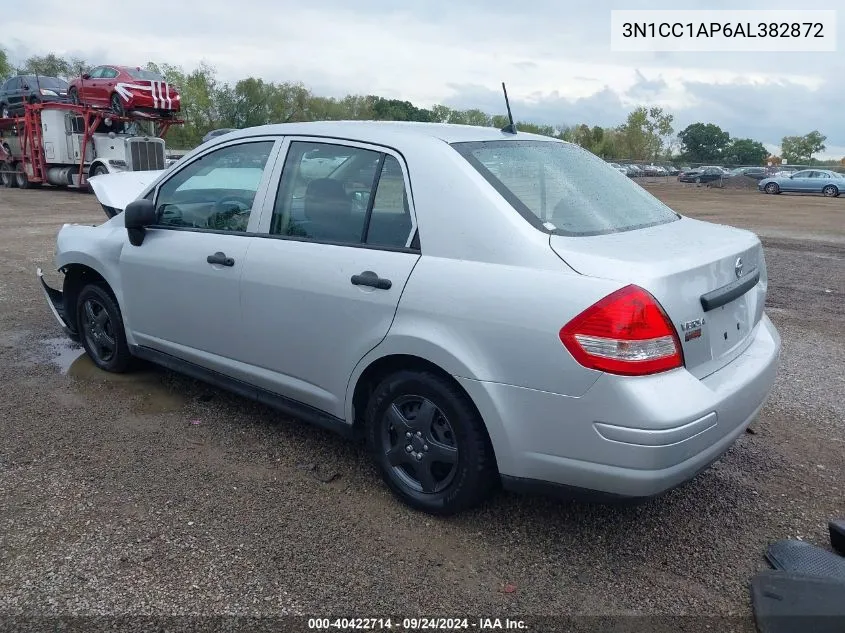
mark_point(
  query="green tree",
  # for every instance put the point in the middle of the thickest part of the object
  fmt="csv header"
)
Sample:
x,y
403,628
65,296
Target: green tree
x,y
800,149
745,151
50,65
5,67
703,142
645,132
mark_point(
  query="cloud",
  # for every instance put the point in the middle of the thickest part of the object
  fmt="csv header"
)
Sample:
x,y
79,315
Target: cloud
x,y
556,60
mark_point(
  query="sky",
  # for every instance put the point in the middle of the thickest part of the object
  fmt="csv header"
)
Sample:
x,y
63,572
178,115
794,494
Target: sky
x,y
554,55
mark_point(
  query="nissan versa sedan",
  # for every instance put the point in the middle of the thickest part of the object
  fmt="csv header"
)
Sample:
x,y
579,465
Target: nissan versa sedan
x,y
824,181
482,307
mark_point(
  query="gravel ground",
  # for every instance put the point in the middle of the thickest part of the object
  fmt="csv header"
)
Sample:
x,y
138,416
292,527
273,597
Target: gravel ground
x,y
155,495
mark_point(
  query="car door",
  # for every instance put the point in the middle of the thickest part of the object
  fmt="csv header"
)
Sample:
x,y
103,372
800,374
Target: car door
x,y
181,285
320,290
800,181
819,180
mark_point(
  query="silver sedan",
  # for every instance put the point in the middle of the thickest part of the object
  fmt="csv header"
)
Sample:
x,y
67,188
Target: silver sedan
x,y
483,308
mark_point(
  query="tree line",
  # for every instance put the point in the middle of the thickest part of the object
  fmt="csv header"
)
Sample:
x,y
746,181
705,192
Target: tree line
x,y
647,134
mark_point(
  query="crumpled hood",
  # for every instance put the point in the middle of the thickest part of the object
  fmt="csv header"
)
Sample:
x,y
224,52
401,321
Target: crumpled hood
x,y
119,189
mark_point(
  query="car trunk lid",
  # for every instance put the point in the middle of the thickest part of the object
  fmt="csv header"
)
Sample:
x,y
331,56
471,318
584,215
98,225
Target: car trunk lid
x,y
709,278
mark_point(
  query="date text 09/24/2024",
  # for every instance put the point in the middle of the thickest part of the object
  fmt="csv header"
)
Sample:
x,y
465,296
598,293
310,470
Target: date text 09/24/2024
x,y
415,624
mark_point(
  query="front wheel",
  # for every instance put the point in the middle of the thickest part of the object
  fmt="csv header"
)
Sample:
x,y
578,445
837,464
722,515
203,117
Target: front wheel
x,y
830,191
100,326
772,188
98,170
429,443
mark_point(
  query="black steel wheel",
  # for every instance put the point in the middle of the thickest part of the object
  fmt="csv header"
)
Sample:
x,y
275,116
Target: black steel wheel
x,y
429,443
21,179
100,325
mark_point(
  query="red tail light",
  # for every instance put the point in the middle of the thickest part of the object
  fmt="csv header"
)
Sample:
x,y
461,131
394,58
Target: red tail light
x,y
626,333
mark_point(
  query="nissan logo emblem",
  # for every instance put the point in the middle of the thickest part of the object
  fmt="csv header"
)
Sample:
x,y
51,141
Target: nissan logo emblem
x,y
738,267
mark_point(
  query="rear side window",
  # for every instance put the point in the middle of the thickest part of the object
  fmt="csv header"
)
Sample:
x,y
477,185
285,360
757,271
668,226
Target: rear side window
x,y
138,73
563,189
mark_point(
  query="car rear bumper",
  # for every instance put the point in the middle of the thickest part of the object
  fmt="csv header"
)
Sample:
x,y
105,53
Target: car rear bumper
x,y
627,437
55,301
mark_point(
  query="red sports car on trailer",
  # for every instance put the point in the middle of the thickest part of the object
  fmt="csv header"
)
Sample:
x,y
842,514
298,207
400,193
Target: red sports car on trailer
x,y
124,89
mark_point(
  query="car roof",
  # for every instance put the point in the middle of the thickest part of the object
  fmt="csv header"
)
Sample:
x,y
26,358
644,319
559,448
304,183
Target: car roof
x,y
388,132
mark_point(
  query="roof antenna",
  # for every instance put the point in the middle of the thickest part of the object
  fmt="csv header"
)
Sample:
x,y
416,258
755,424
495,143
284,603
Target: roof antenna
x,y
510,128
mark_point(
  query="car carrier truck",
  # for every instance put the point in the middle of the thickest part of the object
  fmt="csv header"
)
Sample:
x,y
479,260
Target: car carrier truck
x,y
65,144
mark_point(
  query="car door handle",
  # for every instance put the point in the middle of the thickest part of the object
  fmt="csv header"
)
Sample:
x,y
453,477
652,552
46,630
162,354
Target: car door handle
x,y
220,258
369,278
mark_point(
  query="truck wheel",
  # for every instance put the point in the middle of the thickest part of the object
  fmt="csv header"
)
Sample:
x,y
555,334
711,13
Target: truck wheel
x,y
5,113
7,178
21,179
73,95
98,170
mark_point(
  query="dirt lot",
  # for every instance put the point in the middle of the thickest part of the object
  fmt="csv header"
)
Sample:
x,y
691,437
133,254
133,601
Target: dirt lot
x,y
115,501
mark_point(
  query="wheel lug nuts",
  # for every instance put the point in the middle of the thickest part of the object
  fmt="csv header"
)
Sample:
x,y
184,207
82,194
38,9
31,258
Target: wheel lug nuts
x,y
419,456
425,447
409,448
408,435
419,434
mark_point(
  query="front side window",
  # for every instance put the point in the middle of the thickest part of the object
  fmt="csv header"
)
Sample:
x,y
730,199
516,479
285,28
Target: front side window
x,y
563,189
216,191
326,195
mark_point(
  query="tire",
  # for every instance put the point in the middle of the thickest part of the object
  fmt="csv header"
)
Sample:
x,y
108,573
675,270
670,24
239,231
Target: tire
x,y
830,191
101,329
772,187
454,431
21,179
98,170
7,178
117,104
5,113
73,95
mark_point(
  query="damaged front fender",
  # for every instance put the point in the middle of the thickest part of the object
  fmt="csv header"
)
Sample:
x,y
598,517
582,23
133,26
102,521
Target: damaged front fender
x,y
56,303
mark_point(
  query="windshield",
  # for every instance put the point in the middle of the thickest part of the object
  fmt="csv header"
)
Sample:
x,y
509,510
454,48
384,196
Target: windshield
x,y
47,83
144,74
563,189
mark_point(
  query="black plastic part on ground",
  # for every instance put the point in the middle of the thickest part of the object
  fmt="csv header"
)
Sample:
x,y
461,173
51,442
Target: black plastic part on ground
x,y
837,535
798,557
793,603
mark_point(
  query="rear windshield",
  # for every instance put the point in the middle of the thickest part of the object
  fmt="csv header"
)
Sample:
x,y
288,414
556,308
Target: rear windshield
x,y
144,74
563,189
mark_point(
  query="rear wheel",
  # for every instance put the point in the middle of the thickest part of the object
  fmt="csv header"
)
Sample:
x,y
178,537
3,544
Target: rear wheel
x,y
21,179
429,443
772,188
830,191
117,105
7,176
101,329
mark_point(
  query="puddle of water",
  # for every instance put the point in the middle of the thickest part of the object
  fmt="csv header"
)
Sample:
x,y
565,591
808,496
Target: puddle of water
x,y
143,388
64,352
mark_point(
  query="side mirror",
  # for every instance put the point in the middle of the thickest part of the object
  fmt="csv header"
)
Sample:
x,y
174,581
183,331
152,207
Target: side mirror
x,y
138,215
86,76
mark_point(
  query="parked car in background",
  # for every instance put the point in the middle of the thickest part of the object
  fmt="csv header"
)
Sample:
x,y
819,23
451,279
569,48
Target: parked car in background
x,y
123,89
215,133
671,170
634,171
703,175
752,172
622,361
22,89
622,169
824,181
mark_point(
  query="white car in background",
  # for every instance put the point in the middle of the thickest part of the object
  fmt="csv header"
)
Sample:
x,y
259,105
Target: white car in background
x,y
482,307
